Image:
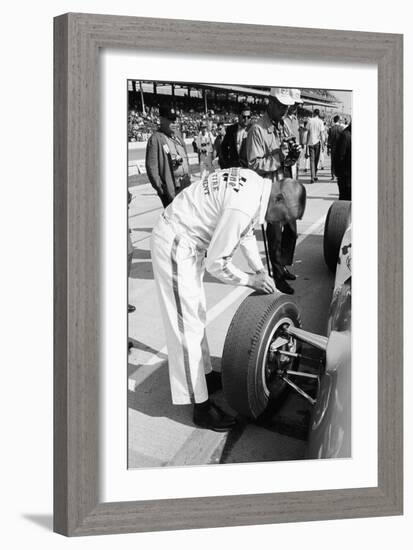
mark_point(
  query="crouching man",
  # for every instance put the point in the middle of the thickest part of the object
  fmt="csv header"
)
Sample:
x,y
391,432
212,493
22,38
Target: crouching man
x,y
201,229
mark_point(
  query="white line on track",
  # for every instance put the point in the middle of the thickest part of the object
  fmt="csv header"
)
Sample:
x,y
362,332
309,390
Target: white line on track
x,y
228,300
312,230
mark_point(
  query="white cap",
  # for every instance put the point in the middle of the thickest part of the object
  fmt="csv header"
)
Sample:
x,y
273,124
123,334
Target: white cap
x,y
283,95
296,95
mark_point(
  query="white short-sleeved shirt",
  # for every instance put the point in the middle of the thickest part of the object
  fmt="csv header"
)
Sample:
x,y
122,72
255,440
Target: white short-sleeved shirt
x,y
315,128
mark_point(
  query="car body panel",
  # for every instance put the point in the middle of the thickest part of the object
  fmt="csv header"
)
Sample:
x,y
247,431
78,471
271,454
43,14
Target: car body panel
x,y
330,426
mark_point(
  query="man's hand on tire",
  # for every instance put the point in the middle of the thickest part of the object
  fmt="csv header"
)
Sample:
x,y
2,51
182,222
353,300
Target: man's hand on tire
x,y
261,283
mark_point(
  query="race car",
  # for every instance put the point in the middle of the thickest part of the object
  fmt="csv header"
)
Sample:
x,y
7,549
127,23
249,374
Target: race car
x,y
263,350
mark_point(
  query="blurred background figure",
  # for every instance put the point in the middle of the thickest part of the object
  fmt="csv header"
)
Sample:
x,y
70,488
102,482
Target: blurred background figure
x,y
205,145
218,161
314,142
291,121
234,144
167,163
321,161
343,164
333,135
302,162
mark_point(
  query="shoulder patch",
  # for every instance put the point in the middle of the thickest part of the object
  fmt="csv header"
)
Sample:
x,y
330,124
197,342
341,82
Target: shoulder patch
x,y
234,179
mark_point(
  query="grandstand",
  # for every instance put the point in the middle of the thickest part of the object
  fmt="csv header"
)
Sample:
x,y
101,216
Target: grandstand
x,y
216,103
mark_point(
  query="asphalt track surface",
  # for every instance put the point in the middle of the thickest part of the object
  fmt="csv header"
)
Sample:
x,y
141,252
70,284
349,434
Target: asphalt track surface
x,y
161,434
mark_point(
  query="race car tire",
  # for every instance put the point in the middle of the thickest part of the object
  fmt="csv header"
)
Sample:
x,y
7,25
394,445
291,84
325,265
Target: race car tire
x,y
337,221
259,320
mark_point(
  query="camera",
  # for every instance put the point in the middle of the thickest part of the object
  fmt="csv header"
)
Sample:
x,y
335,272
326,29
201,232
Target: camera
x,y
294,151
204,148
291,142
177,161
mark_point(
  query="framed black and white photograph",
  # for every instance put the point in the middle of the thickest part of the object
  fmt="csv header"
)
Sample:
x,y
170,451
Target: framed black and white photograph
x,y
211,137
228,313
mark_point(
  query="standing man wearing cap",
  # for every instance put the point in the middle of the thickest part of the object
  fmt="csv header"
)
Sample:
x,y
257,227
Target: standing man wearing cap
x,y
205,144
268,154
291,121
217,214
167,162
234,144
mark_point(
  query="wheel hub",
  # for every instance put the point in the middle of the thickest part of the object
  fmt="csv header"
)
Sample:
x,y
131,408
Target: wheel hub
x,y
277,364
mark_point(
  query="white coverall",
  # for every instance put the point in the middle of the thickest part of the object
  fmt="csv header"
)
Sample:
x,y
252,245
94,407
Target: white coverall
x,y
213,215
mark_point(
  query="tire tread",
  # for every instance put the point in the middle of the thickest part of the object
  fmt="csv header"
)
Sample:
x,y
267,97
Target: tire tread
x,y
337,221
240,349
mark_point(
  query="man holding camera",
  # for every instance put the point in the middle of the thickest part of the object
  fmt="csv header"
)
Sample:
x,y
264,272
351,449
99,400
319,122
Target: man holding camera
x,y
271,150
291,121
167,162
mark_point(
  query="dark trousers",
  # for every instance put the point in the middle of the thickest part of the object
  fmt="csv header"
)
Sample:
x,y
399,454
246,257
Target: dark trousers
x,y
344,187
333,162
281,245
130,257
314,151
166,200
182,182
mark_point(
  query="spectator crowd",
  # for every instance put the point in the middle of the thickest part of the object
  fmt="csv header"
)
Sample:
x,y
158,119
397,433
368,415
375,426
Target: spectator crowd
x,y
317,135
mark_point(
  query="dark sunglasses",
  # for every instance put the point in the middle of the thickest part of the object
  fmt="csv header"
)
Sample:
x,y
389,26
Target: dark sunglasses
x,y
246,116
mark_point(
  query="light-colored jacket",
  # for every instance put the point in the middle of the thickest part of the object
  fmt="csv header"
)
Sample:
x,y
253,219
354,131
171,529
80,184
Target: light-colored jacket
x,y
265,147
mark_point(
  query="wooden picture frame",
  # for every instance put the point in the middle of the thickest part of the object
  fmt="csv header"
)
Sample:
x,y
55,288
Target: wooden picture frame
x,y
78,40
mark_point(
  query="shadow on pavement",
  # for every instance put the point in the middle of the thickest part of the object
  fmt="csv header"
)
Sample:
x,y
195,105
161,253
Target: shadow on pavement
x,y
152,395
210,279
142,229
141,254
145,347
232,439
144,270
140,400
313,277
292,422
141,270
328,198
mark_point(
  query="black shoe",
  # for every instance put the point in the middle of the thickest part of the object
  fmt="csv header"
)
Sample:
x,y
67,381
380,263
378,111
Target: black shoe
x,y
214,381
131,309
207,415
315,179
287,275
283,286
